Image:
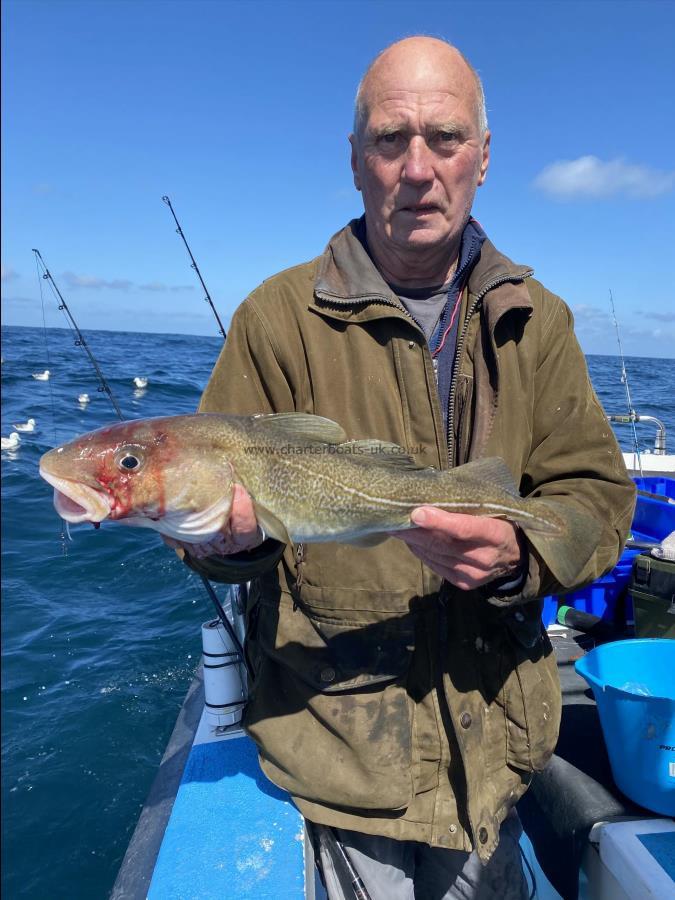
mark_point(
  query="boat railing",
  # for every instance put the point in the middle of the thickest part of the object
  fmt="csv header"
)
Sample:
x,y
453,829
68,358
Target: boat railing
x,y
632,417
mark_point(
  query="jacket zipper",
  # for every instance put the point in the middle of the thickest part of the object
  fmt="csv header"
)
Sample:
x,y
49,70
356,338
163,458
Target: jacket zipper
x,y
372,298
503,279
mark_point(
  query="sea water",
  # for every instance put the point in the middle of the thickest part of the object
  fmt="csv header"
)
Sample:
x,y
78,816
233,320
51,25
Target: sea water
x,y
101,636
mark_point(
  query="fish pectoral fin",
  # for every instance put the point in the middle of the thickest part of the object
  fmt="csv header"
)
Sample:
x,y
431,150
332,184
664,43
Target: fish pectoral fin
x,y
272,526
492,469
384,453
303,427
368,540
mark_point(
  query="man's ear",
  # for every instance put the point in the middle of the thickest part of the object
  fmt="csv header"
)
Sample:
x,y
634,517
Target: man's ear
x,y
485,162
355,162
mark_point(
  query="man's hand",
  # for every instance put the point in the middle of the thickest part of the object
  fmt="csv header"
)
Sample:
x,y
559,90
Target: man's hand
x,y
240,532
468,551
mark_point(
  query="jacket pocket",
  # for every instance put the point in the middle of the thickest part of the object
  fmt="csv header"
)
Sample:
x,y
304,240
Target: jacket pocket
x,y
523,684
329,708
533,704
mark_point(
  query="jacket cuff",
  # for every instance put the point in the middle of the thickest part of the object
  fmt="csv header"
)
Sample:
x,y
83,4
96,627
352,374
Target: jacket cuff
x,y
238,568
527,587
511,585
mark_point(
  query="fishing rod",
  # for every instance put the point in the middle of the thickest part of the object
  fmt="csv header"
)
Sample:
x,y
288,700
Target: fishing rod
x,y
333,847
222,616
632,415
328,836
79,341
194,265
104,386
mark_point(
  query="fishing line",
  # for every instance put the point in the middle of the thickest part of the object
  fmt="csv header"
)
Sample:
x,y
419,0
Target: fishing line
x,y
65,530
624,378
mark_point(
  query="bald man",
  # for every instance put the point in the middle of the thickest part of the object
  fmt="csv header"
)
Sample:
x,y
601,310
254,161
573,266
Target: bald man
x,y
405,693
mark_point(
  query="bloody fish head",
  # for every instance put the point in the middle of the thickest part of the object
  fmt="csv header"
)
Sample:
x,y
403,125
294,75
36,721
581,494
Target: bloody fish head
x,y
151,473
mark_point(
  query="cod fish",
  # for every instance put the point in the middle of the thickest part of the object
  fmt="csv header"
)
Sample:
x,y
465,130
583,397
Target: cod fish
x,y
308,482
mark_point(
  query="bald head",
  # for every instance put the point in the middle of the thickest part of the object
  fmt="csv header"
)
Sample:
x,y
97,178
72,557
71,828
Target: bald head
x,y
423,62
420,149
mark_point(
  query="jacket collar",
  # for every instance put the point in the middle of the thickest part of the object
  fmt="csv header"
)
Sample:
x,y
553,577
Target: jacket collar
x,y
349,286
346,275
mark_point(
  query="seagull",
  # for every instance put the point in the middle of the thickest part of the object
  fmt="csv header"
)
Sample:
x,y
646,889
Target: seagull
x,y
26,426
11,442
41,376
140,382
83,398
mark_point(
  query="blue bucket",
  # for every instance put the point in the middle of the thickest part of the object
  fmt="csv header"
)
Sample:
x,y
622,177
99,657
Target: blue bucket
x,y
634,686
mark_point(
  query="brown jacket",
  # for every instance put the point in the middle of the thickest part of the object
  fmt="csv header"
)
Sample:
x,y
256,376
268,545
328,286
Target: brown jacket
x,y
384,700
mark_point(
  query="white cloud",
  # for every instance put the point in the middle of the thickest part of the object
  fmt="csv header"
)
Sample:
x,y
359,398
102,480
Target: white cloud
x,y
585,313
659,316
94,283
7,274
595,329
589,176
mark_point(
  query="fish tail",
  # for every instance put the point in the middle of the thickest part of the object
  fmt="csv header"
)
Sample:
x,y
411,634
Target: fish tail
x,y
567,549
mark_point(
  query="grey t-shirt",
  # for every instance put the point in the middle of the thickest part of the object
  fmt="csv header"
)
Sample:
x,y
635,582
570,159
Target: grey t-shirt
x,y
425,305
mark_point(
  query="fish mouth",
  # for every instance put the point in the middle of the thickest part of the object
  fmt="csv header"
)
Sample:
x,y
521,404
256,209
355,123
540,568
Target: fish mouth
x,y
76,502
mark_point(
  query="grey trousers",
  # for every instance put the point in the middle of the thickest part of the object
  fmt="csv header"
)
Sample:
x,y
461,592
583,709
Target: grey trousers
x,y
410,870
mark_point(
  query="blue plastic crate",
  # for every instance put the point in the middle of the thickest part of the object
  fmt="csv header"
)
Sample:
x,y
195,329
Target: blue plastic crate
x,y
656,485
549,613
599,598
655,519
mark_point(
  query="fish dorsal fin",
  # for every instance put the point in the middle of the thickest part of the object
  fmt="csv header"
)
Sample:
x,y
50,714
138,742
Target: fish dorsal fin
x,y
380,452
492,469
303,427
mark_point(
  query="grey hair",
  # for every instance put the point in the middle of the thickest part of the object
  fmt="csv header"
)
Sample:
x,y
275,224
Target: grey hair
x,y
360,111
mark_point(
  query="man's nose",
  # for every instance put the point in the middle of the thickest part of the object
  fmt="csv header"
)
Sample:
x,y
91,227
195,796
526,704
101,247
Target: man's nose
x,y
418,163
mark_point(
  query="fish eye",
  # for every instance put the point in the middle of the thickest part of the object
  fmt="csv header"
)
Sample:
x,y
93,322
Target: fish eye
x,y
129,458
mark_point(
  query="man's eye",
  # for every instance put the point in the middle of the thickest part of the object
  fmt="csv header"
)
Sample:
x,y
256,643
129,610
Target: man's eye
x,y
390,138
445,137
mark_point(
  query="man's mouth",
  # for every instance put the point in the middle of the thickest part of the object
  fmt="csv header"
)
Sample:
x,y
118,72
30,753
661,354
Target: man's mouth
x,y
420,209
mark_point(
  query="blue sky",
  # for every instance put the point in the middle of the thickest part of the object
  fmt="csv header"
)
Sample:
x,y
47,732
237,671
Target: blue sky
x,y
240,112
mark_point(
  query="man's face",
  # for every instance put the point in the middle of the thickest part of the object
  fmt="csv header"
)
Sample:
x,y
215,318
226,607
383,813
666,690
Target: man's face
x,y
420,156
